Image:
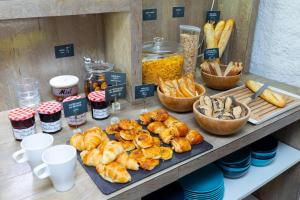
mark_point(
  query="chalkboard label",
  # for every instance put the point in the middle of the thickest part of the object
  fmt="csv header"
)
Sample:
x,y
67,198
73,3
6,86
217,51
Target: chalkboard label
x,y
116,91
142,91
62,51
75,107
149,14
213,16
211,54
178,12
115,78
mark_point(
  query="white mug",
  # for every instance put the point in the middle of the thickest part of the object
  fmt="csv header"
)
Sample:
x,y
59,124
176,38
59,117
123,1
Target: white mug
x,y
32,149
59,164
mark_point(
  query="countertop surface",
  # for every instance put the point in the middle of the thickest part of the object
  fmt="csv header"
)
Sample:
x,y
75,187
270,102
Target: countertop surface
x,y
18,182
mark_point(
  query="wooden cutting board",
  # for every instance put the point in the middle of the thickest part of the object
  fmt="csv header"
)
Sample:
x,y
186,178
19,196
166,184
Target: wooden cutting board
x,y
261,110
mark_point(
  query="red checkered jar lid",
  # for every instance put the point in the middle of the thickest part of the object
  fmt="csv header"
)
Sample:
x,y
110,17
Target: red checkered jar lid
x,y
21,114
97,96
49,107
71,98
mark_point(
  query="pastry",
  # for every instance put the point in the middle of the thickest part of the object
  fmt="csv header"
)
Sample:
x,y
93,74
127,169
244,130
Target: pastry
x,y
112,129
194,137
268,95
156,127
159,115
145,163
92,157
126,124
111,150
180,145
170,121
168,134
166,153
127,162
156,142
225,36
182,129
113,172
152,152
127,145
77,141
143,140
164,88
93,137
145,118
128,134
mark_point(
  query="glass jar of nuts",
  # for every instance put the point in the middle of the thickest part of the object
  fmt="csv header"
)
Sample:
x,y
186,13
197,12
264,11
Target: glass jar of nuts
x,y
95,78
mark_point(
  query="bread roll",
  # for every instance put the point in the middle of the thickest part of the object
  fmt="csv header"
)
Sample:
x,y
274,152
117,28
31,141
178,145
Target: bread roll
x,y
268,95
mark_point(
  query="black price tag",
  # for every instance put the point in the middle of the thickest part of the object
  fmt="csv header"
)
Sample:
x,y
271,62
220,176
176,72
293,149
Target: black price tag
x,y
143,91
113,78
178,12
62,51
75,107
213,16
211,54
116,91
149,14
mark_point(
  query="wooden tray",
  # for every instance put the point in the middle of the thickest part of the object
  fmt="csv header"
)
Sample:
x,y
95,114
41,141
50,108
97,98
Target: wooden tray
x,y
261,110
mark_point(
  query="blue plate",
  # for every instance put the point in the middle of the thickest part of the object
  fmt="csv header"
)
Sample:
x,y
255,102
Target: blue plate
x,y
263,157
206,179
261,163
237,157
204,195
234,175
266,145
263,154
230,169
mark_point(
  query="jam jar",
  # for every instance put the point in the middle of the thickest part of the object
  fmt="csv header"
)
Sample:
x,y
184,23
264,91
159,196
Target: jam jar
x,y
50,116
95,78
22,122
74,121
99,106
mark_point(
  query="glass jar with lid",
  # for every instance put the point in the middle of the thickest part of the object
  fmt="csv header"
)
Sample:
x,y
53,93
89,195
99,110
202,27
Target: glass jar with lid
x,y
95,78
163,59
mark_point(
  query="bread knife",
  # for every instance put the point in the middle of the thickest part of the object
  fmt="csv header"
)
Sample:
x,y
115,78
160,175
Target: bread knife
x,y
254,96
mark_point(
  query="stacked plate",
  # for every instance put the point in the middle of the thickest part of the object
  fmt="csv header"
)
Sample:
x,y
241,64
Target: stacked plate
x,y
264,151
204,184
236,164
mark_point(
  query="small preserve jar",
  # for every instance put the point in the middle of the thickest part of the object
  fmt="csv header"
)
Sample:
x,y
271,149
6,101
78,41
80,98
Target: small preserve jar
x,y
95,78
50,116
22,122
161,59
64,86
99,106
78,120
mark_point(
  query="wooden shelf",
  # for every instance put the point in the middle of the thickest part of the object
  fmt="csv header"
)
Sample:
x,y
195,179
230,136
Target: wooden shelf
x,y
236,189
15,9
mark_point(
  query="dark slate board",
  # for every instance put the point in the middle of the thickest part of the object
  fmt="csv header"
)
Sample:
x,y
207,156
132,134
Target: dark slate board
x,y
108,188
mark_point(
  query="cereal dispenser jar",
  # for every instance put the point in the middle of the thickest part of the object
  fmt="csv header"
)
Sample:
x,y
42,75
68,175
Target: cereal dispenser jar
x,y
161,58
95,78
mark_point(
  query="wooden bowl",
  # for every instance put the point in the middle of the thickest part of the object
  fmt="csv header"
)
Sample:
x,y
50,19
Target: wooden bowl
x,y
220,82
180,104
220,126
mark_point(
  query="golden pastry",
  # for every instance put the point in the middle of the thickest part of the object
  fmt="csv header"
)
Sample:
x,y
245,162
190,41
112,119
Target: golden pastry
x,y
77,141
166,153
159,115
127,162
182,129
143,140
92,157
152,152
127,145
93,137
113,172
180,145
111,150
145,118
170,121
156,127
145,163
113,128
127,124
168,134
128,134
194,137
156,141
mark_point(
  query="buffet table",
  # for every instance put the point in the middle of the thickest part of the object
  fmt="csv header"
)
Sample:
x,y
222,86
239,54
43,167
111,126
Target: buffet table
x,y
18,182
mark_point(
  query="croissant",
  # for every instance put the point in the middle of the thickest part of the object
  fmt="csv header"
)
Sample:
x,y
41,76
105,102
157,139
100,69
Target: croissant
x,y
127,162
112,129
194,137
182,129
145,163
113,172
77,141
156,127
180,145
143,140
152,152
93,137
111,150
166,153
92,157
168,134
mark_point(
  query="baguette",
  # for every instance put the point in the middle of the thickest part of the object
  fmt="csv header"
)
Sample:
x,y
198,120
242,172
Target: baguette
x,y
205,67
268,95
219,29
225,36
229,68
209,33
183,88
216,67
